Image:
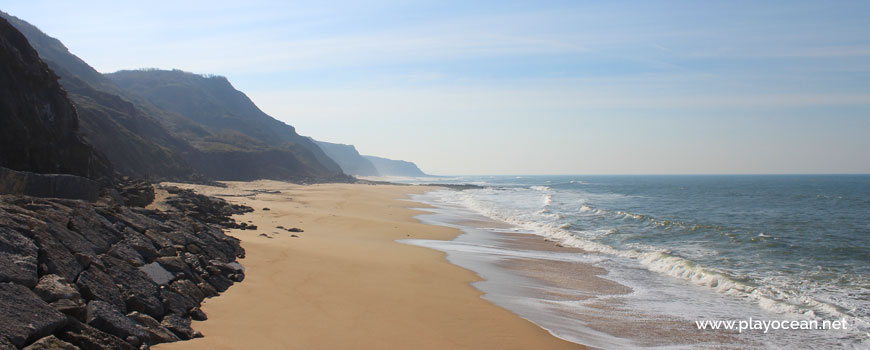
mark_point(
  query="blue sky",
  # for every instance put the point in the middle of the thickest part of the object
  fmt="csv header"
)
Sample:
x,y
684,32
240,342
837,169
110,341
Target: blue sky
x,y
543,87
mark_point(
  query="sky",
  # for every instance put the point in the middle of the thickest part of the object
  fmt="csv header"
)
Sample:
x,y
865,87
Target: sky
x,y
530,87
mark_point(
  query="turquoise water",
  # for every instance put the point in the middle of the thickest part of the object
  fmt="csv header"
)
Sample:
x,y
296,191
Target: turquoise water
x,y
797,246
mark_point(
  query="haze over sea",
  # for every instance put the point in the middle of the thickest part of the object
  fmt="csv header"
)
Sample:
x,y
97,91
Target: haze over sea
x,y
694,247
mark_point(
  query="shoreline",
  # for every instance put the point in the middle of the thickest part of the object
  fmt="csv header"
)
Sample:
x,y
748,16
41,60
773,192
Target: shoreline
x,y
345,282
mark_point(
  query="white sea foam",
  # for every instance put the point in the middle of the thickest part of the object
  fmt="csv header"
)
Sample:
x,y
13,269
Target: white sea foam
x,y
536,219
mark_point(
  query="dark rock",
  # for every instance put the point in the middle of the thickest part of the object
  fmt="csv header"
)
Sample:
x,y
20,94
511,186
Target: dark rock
x,y
18,258
295,229
156,332
188,288
251,227
197,315
24,316
53,287
6,345
104,316
294,236
94,284
265,235
141,245
51,343
176,303
48,185
220,282
140,293
136,193
74,308
157,273
180,326
90,338
193,248
266,209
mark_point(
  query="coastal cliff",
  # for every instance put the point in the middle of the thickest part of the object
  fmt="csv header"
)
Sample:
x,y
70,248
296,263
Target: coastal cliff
x,y
93,269
178,126
347,157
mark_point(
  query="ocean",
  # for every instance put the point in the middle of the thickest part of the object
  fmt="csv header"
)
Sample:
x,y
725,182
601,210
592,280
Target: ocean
x,y
636,261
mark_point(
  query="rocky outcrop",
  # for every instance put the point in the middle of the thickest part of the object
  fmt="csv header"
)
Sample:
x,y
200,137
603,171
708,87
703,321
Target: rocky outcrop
x,y
48,185
38,125
348,158
77,274
390,167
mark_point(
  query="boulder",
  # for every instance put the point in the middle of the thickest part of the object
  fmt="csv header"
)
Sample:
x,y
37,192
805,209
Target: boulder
x,y
90,338
6,345
94,284
157,273
180,326
51,343
24,316
74,308
104,316
48,185
156,332
53,287
176,303
18,258
196,314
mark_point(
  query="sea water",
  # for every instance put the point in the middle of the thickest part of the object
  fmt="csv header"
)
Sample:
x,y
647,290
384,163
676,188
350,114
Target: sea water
x,y
770,247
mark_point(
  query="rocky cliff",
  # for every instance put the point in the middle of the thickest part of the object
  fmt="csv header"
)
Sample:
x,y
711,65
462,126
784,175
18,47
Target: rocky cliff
x,y
347,157
237,140
97,271
180,126
390,167
38,125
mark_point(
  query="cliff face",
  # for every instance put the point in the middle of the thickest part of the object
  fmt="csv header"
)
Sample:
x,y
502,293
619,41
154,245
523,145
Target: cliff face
x,y
93,273
132,140
237,140
347,157
38,125
180,126
390,167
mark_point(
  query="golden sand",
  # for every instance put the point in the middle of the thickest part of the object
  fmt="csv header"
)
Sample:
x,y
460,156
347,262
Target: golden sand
x,y
345,283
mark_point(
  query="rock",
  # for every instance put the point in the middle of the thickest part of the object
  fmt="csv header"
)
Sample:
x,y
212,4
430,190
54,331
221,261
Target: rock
x,y
220,282
193,248
265,235
24,316
51,343
48,185
90,338
197,315
188,288
266,209
177,304
157,273
295,229
74,308
156,332
180,326
294,236
104,316
53,287
136,193
94,284
279,227
139,292
6,345
18,258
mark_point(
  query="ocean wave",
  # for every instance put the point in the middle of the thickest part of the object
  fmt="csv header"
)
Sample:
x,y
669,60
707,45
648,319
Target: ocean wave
x,y
546,223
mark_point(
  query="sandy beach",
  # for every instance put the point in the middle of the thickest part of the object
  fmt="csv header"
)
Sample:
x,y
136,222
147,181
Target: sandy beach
x,y
346,283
